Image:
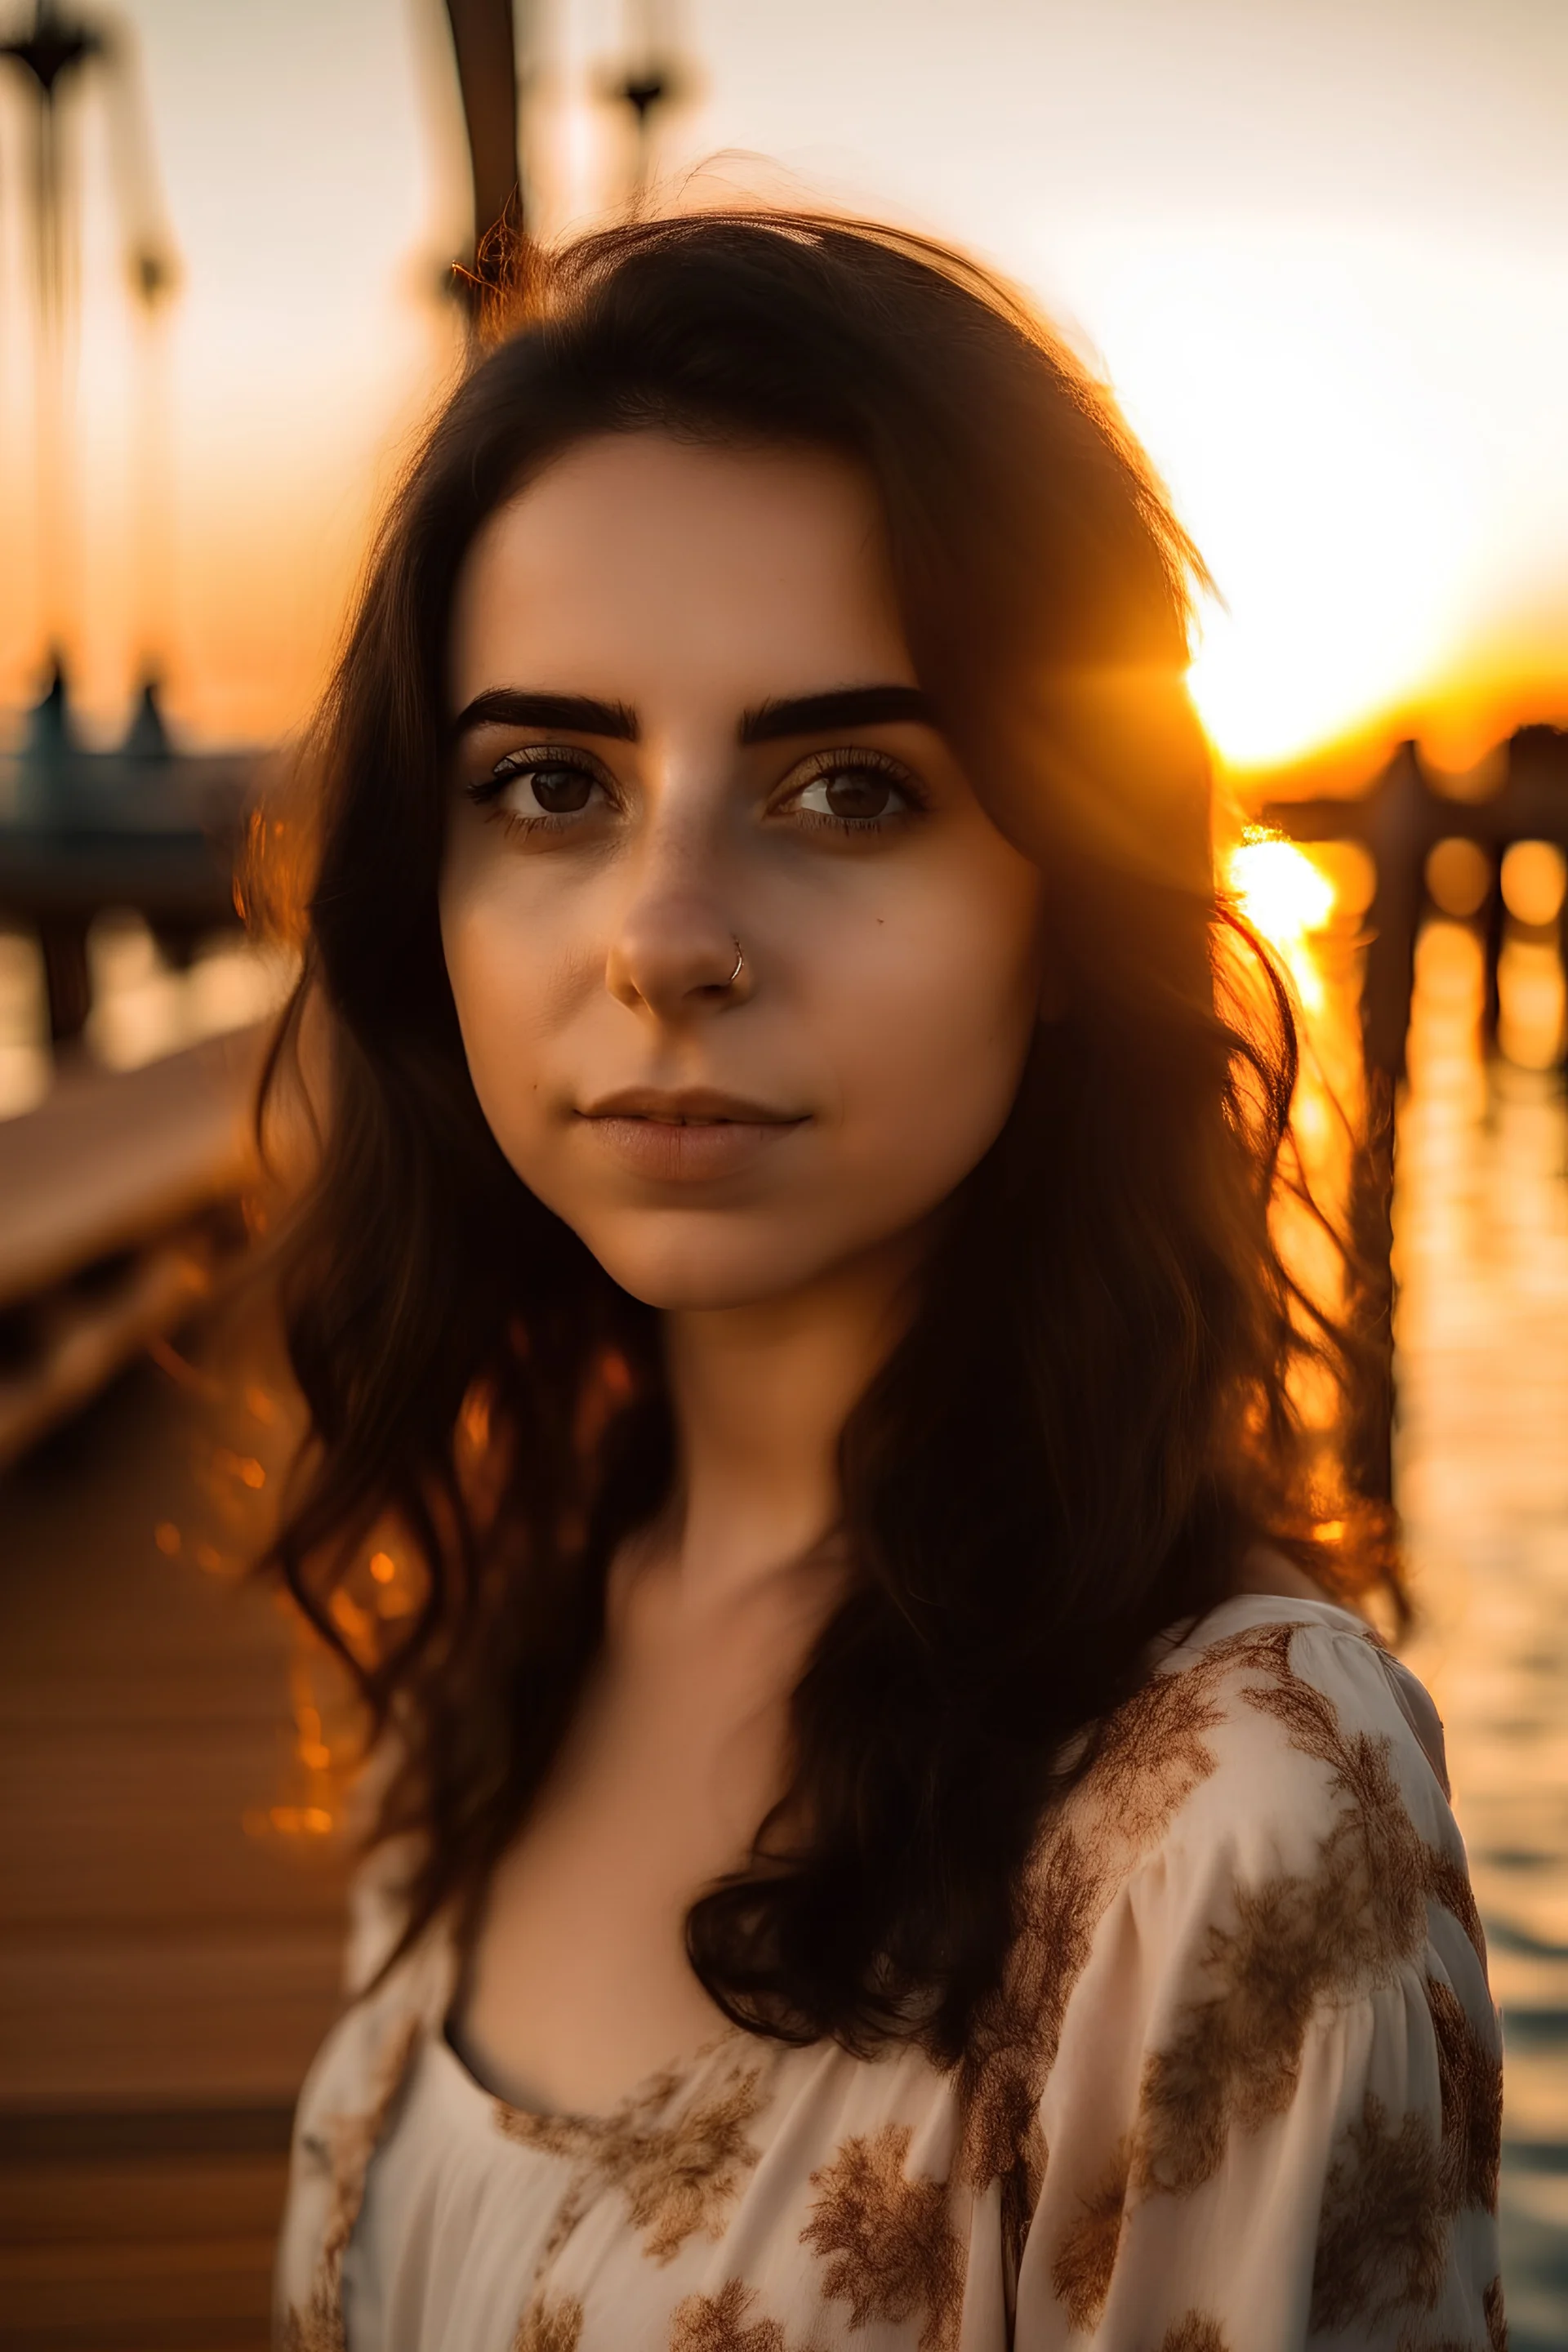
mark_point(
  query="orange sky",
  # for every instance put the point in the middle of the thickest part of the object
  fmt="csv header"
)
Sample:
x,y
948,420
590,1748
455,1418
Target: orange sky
x,y
1320,246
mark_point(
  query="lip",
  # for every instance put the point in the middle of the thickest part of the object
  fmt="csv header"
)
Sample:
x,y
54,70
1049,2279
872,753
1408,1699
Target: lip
x,y
680,1105
694,1135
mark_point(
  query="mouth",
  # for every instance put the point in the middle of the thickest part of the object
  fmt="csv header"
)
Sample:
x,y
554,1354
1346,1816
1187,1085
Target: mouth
x,y
690,1107
690,1136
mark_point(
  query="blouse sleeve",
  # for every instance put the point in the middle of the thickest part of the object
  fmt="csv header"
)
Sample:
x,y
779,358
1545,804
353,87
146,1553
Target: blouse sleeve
x,y
1296,2143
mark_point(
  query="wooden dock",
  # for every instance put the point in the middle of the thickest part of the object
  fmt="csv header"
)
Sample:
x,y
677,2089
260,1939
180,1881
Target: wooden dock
x,y
170,1941
120,1193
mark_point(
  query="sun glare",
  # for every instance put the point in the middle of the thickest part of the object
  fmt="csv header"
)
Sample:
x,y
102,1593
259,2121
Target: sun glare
x,y
1287,897
1279,888
1326,479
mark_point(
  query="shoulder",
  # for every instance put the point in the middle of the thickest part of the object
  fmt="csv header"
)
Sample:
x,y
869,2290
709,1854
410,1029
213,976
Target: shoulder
x,y
1250,1956
1257,1729
1249,2035
1261,1838
1277,1756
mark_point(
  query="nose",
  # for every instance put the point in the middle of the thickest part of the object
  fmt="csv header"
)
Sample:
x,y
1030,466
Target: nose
x,y
677,952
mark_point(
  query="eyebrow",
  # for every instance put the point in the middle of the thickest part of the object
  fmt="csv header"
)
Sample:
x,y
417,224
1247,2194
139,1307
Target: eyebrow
x,y
576,714
770,722
845,706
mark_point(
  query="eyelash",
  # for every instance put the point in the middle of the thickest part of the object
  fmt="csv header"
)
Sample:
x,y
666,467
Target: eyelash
x,y
485,790
877,763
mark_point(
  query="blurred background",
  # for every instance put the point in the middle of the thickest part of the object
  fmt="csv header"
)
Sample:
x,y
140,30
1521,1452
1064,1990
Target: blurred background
x,y
1319,249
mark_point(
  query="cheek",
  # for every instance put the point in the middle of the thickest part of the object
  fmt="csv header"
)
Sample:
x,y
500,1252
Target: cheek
x,y
504,983
930,1058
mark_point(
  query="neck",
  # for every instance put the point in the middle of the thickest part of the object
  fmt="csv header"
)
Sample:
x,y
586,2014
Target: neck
x,y
761,1395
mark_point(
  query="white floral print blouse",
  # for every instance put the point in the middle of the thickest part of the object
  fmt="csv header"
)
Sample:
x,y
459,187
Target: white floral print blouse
x,y
1241,2091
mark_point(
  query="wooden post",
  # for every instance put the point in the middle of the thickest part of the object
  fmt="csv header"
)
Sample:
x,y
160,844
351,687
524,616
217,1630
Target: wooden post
x,y
484,43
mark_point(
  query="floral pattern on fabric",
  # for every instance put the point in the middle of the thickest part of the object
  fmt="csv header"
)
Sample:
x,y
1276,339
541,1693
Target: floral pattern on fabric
x,y
725,2323
677,2176
550,2327
1278,1957
1240,2091
890,2247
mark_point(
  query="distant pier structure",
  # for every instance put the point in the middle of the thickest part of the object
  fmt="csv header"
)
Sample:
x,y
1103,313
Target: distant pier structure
x,y
143,825
1433,853
1403,820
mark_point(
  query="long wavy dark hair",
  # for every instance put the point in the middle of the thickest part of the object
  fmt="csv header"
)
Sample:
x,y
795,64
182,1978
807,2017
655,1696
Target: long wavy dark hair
x,y
1096,1408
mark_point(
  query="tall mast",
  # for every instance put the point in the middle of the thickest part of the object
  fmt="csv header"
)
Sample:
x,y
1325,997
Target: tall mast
x,y
50,62
484,41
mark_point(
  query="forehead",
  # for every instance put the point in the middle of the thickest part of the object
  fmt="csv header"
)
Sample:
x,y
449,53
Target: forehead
x,y
635,561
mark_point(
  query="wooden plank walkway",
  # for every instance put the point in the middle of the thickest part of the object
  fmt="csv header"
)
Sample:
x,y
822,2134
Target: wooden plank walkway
x,y
168,1959
108,1235
112,1159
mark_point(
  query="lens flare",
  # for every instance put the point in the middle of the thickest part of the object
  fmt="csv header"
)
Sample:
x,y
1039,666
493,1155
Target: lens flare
x,y
1287,897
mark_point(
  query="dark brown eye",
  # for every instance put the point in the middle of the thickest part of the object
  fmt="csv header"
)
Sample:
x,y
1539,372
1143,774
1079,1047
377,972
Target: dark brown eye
x,y
861,796
856,792
561,791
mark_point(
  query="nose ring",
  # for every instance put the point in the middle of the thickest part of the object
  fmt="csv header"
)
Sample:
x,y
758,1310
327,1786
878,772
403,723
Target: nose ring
x,y
740,960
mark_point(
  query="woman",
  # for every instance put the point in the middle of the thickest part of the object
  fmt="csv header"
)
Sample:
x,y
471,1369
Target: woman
x,y
899,1842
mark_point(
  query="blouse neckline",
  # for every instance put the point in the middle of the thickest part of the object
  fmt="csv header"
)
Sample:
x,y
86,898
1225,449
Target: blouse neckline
x,y
644,2098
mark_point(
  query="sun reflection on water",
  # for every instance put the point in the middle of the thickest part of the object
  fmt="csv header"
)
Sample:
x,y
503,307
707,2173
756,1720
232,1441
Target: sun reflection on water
x,y
1481,1468
1285,894
1308,906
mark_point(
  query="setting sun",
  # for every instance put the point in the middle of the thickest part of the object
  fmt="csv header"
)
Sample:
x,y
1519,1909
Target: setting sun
x,y
1311,402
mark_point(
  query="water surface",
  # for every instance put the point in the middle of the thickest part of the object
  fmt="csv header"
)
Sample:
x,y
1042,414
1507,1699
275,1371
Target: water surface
x,y
1482,1481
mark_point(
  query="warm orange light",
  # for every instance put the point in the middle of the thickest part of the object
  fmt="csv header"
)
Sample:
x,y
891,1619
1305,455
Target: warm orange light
x,y
349,1618
292,1821
166,1536
243,1466
383,1567
1533,877
475,1419
1530,1004
1328,469
1352,874
1281,891
1459,876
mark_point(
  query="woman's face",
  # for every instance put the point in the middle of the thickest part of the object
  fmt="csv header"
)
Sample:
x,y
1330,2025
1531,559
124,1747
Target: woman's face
x,y
687,732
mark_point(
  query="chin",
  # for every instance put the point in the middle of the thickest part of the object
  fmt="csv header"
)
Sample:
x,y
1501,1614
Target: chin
x,y
695,1268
